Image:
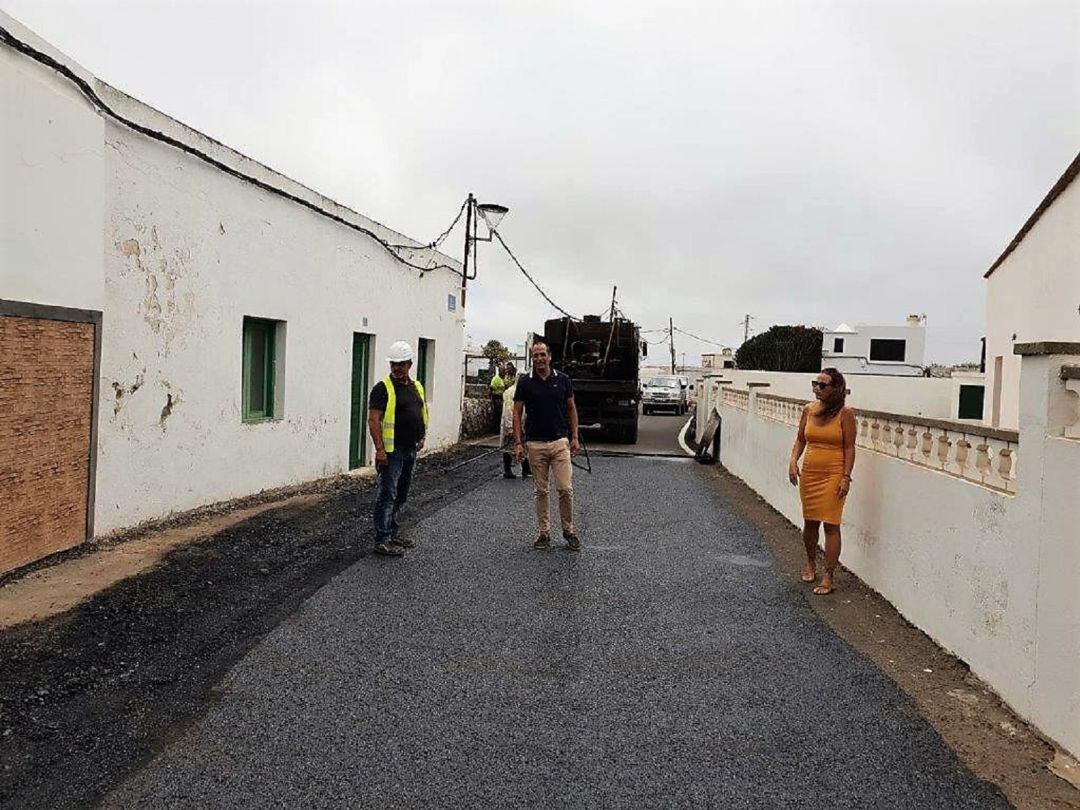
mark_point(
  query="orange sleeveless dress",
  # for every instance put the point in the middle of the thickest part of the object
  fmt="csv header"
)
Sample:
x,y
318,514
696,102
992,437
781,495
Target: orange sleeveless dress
x,y
822,471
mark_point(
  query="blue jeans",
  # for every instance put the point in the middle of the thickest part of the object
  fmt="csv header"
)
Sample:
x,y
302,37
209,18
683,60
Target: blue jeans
x,y
394,481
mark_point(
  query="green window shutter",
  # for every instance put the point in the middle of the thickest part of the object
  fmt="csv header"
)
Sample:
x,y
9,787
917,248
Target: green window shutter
x,y
421,361
258,369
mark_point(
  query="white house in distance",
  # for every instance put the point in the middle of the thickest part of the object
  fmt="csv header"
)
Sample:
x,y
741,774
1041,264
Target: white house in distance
x,y
865,349
1041,268
725,358
183,325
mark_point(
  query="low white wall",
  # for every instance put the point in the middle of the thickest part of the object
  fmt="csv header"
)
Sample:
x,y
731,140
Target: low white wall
x,y
933,397
991,577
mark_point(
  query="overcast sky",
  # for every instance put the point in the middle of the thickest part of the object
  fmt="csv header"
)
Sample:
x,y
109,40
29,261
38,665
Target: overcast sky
x,y
803,162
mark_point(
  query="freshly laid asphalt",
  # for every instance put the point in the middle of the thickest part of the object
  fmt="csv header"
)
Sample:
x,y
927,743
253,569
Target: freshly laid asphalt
x,y
668,663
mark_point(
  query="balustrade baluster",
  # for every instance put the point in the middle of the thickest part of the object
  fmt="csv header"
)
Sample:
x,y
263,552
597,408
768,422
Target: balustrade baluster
x,y
1005,463
944,446
962,448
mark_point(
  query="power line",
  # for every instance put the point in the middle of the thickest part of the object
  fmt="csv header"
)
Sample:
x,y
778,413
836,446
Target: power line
x,y
703,340
438,240
525,272
88,91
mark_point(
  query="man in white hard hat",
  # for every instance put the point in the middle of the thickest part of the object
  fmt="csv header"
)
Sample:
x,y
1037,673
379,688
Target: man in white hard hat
x,y
397,421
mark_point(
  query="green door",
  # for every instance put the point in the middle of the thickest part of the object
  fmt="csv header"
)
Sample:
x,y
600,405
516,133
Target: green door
x,y
358,417
971,401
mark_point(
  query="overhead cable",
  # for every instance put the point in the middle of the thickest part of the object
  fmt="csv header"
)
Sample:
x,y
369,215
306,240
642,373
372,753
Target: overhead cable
x,y
438,240
525,272
703,340
84,87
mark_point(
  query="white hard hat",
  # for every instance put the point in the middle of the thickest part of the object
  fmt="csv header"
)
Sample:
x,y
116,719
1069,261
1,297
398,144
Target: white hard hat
x,y
400,352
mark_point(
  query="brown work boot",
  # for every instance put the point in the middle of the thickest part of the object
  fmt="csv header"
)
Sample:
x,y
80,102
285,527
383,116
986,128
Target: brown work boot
x,y
389,549
572,541
404,542
543,541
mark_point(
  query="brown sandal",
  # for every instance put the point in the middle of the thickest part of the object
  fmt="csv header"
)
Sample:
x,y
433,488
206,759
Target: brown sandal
x,y
823,589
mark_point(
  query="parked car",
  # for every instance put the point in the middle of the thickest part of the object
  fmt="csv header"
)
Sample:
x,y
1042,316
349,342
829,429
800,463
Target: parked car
x,y
664,394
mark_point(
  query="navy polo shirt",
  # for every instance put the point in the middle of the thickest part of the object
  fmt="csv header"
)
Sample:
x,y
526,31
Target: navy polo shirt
x,y
545,406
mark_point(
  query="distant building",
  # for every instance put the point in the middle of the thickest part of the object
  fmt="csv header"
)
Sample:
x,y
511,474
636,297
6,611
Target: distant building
x,y
863,349
721,359
1032,294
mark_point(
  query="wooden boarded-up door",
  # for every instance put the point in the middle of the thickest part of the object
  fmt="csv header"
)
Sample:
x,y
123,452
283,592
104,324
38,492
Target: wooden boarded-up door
x,y
48,369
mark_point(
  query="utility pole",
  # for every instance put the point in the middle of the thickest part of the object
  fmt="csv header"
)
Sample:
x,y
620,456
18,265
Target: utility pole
x,y
746,329
671,341
469,245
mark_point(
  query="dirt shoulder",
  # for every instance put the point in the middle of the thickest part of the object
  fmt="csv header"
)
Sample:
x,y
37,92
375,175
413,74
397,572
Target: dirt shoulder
x,y
987,736
90,693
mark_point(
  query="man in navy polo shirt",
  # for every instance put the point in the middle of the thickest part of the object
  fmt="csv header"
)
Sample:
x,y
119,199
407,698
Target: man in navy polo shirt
x,y
546,397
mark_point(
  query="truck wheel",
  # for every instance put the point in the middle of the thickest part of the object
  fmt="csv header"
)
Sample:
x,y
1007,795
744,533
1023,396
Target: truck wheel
x,y
629,433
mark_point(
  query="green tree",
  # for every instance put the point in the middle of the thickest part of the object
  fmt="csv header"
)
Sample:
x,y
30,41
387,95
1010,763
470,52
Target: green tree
x,y
496,353
782,348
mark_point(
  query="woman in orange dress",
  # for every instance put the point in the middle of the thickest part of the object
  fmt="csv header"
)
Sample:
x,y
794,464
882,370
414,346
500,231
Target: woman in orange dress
x,y
827,434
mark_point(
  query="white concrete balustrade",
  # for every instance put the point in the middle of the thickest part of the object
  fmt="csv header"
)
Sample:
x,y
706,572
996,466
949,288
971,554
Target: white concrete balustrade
x,y
980,552
734,398
983,455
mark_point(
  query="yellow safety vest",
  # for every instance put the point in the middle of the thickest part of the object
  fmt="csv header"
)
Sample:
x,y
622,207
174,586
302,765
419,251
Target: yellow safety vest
x,y
391,409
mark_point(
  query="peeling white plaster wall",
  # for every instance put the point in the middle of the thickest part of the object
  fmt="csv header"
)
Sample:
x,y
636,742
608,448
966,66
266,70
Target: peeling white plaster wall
x,y
191,251
176,253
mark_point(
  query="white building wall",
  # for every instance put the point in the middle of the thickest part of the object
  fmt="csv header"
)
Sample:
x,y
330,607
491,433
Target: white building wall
x,y
51,190
176,253
190,252
1033,296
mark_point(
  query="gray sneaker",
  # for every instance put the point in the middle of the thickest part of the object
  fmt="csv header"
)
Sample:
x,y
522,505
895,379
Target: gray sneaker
x,y
541,542
572,542
388,549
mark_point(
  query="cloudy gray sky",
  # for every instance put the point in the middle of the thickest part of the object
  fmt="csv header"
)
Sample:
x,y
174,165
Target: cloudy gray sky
x,y
804,162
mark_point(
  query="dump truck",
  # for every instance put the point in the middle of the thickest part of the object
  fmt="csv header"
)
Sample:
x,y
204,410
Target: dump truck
x,y
602,358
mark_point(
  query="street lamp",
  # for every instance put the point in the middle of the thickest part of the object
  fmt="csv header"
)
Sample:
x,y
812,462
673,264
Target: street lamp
x,y
492,214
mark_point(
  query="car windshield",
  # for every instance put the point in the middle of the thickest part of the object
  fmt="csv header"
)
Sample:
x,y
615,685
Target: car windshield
x,y
662,382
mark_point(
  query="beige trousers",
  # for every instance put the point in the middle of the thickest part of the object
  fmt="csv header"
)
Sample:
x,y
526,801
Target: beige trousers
x,y
546,458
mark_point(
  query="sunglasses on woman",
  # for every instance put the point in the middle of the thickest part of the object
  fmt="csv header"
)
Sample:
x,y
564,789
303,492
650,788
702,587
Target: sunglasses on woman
x,y
819,384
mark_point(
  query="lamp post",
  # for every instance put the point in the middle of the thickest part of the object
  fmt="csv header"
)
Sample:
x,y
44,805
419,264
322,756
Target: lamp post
x,y
492,214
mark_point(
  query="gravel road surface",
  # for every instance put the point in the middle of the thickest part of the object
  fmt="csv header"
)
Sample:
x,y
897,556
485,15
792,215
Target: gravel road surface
x,y
669,663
